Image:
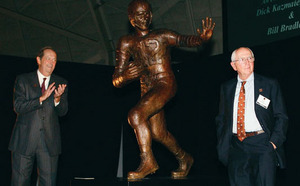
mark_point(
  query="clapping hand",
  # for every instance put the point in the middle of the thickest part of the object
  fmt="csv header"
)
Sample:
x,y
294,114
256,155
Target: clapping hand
x,y
59,91
47,92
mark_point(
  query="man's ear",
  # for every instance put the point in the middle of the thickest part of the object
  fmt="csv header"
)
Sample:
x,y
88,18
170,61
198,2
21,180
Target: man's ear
x,y
38,60
233,65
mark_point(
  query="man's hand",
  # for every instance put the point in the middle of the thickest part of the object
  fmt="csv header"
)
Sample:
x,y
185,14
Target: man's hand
x,y
47,92
207,29
274,146
59,91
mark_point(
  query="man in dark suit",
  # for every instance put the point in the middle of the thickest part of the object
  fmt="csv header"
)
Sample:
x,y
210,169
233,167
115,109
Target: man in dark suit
x,y
251,124
39,98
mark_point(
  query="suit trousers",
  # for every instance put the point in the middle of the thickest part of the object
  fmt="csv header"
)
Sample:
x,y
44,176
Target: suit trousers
x,y
22,166
252,162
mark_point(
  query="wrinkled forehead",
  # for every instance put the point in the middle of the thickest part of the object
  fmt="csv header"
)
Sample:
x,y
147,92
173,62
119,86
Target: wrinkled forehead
x,y
49,53
243,52
137,6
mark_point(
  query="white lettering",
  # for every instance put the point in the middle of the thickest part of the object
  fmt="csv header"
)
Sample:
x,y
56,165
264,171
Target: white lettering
x,y
285,6
294,26
273,30
263,11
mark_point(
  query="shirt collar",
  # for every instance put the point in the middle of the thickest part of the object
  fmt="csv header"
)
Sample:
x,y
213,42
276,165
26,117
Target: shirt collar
x,y
41,77
250,78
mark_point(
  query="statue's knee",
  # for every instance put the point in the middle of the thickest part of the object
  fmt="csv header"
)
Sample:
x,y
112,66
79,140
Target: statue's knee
x,y
134,118
158,135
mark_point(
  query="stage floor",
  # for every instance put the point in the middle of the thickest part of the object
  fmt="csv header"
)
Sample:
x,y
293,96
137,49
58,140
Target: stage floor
x,y
157,181
201,180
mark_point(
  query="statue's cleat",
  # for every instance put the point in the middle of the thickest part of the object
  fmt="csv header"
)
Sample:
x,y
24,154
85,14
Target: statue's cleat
x,y
185,164
148,166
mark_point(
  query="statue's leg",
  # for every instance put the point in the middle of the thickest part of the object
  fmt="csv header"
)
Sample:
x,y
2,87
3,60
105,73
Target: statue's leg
x,y
138,119
161,134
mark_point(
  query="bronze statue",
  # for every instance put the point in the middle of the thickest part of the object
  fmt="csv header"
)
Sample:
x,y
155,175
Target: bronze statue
x,y
151,65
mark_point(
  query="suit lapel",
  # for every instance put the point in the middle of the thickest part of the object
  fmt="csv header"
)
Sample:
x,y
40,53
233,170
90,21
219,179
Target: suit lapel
x,y
258,89
51,80
231,94
36,83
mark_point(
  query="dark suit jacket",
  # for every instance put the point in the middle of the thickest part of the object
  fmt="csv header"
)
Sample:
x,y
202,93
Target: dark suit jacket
x,y
273,120
34,118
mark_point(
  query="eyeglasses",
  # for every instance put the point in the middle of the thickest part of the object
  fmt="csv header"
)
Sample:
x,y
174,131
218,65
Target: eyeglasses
x,y
244,60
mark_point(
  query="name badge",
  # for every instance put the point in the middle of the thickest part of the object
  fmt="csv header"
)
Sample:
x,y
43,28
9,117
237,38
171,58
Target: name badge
x,y
263,101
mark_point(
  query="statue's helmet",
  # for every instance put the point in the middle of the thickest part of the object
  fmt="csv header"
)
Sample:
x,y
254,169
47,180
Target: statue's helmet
x,y
133,5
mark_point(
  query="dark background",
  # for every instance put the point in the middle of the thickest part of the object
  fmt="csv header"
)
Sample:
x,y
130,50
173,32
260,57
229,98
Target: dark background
x,y
247,21
91,131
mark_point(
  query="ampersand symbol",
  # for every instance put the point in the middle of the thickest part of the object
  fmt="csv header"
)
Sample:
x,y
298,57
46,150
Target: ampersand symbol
x,y
291,16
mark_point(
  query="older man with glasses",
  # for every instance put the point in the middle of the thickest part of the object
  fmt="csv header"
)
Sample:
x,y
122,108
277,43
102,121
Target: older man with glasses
x,y
251,124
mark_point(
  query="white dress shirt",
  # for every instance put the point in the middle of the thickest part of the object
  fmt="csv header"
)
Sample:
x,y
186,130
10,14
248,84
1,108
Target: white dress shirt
x,y
41,79
251,121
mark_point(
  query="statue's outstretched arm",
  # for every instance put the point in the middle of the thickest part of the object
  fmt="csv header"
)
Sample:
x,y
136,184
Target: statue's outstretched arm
x,y
204,35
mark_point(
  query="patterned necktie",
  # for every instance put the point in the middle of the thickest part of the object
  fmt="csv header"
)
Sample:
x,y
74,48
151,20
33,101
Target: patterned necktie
x,y
43,86
241,133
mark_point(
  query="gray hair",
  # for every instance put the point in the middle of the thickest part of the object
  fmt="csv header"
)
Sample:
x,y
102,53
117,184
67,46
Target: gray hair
x,y
234,53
